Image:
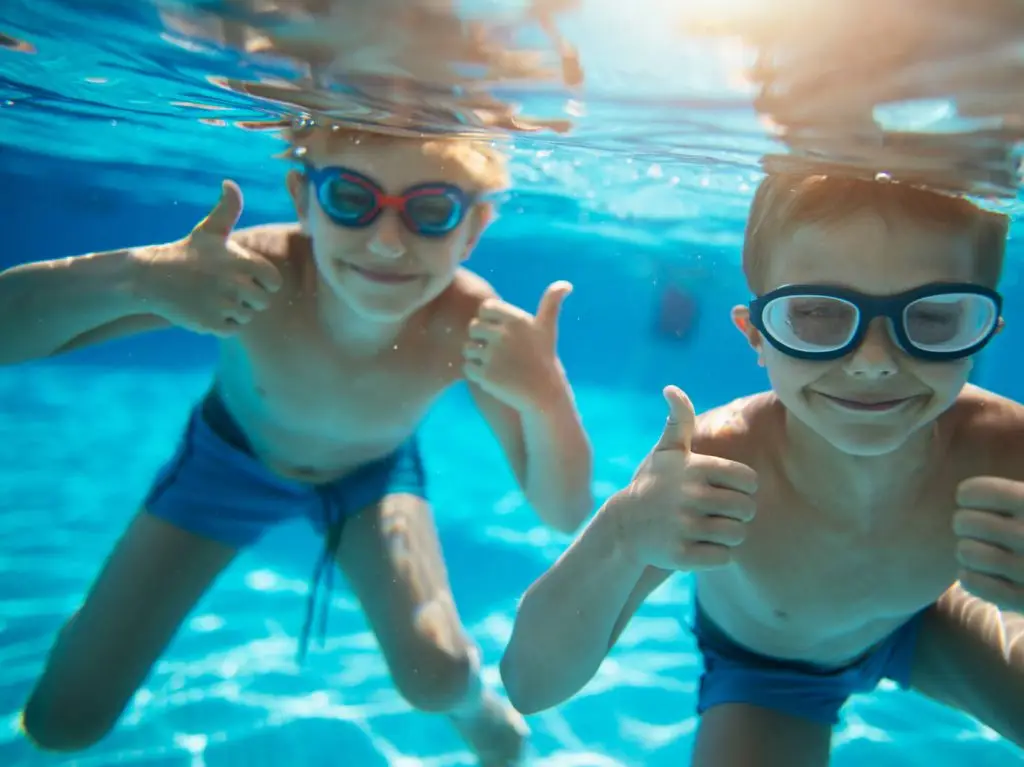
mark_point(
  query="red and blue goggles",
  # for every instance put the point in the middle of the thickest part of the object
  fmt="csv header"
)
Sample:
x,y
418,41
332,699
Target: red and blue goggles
x,y
354,201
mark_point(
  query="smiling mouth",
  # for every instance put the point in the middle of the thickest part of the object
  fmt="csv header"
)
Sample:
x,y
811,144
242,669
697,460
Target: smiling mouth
x,y
373,275
868,406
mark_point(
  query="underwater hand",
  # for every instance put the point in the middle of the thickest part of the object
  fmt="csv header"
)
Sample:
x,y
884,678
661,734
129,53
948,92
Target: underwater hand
x,y
683,510
207,283
511,354
989,524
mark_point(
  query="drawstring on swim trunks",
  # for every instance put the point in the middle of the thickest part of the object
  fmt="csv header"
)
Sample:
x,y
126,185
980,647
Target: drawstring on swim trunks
x,y
332,539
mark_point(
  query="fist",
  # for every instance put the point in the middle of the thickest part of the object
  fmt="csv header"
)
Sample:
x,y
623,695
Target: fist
x,y
989,525
511,354
684,510
207,283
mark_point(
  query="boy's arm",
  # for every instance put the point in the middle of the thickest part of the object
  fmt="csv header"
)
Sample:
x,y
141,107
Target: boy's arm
x,y
210,283
48,307
549,452
572,616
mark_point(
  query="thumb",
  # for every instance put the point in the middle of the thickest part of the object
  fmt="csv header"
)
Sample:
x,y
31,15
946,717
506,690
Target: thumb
x,y
678,432
225,214
550,306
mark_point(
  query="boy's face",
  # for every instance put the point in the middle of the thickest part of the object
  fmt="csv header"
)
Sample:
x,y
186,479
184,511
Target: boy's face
x,y
385,271
870,401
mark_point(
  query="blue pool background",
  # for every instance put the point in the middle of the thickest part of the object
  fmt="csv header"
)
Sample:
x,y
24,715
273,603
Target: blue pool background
x,y
84,434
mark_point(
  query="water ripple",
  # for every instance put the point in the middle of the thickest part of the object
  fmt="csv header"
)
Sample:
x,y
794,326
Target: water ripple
x,y
646,121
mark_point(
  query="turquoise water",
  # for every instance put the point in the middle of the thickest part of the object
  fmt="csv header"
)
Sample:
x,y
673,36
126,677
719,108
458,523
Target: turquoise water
x,y
112,134
81,443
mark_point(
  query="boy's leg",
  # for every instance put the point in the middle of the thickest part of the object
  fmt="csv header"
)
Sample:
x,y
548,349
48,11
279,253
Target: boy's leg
x,y
392,558
741,735
970,656
150,582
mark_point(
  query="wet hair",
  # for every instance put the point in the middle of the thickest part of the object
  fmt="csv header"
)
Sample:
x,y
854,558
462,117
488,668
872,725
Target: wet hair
x,y
785,201
481,160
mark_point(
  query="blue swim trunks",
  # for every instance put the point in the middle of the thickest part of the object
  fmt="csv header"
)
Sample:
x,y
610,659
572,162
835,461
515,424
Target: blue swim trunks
x,y
734,674
214,486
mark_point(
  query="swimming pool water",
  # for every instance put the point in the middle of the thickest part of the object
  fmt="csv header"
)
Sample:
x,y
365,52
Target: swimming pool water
x,y
80,446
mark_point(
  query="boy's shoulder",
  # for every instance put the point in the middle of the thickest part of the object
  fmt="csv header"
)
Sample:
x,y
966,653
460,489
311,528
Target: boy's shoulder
x,y
739,429
281,244
989,427
979,415
291,252
460,301
978,404
471,289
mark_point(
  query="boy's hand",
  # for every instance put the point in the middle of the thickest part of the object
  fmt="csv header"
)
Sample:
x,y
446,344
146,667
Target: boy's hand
x,y
207,283
683,510
990,526
511,354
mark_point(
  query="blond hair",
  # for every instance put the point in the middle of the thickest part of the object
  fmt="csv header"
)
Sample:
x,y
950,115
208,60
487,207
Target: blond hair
x,y
785,201
483,163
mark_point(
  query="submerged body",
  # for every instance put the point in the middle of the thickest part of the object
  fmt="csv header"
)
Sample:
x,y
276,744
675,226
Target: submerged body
x,y
336,336
862,520
823,576
831,592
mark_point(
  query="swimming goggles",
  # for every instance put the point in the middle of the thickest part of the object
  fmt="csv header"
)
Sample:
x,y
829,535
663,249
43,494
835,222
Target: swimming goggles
x,y
355,201
935,322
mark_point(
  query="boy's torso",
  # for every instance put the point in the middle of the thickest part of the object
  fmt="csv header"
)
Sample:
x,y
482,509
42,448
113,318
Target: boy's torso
x,y
813,585
315,410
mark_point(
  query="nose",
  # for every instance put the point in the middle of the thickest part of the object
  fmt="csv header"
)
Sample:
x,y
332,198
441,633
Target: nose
x,y
875,358
386,238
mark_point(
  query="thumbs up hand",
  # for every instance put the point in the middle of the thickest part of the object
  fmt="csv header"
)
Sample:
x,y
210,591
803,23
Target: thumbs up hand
x,y
511,354
684,510
207,283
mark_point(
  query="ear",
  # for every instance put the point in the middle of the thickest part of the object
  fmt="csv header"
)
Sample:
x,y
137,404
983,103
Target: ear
x,y
1000,324
298,190
741,319
477,222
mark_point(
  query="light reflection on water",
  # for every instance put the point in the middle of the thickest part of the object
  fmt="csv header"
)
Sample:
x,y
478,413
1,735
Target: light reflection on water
x,y
626,115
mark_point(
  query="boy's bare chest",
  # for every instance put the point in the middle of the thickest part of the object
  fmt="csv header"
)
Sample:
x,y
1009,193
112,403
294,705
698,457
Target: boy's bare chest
x,y
812,589
322,390
807,563
894,567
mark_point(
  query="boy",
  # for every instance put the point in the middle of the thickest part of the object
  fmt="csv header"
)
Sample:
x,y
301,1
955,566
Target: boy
x,y
337,335
837,524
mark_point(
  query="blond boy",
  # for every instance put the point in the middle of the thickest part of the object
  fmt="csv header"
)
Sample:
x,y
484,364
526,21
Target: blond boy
x,y
337,334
